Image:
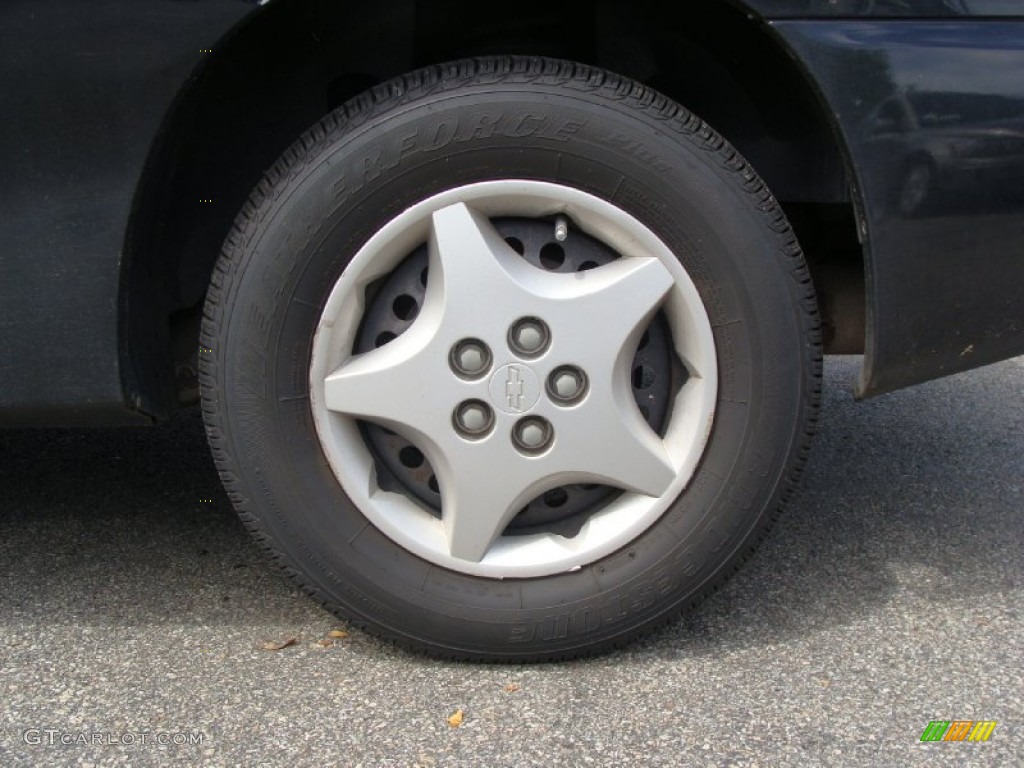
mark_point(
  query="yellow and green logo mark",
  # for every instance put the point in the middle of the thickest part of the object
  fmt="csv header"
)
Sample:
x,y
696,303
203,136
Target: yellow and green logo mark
x,y
958,730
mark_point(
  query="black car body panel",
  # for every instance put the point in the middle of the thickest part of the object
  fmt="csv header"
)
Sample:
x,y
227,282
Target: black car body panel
x,y
94,96
86,87
886,9
944,282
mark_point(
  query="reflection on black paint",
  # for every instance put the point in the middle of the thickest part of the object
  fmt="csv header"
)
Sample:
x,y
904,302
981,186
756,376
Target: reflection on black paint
x,y
932,113
946,152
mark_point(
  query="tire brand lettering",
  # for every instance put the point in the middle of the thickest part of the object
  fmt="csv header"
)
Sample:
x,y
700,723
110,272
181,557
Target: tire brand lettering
x,y
443,134
588,620
369,164
523,130
559,626
483,126
631,146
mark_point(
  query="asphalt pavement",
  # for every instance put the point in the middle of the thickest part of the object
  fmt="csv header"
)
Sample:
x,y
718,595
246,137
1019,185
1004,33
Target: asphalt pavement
x,y
135,617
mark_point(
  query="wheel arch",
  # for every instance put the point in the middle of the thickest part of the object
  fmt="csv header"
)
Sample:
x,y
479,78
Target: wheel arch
x,y
288,63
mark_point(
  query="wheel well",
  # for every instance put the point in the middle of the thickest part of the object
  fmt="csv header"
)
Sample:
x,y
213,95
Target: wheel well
x,y
291,62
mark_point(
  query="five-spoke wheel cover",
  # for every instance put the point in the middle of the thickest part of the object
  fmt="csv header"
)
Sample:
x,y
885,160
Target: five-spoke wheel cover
x,y
499,419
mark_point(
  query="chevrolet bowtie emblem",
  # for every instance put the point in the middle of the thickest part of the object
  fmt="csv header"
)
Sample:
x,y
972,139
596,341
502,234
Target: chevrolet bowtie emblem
x,y
514,388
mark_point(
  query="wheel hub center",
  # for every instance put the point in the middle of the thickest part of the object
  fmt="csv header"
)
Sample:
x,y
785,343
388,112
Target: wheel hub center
x,y
514,388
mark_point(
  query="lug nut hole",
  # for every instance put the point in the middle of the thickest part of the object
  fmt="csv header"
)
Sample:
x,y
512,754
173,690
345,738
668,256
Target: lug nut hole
x,y
529,337
567,385
532,435
470,359
473,419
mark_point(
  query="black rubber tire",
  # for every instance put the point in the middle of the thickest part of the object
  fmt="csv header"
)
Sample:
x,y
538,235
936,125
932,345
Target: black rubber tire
x,y
479,120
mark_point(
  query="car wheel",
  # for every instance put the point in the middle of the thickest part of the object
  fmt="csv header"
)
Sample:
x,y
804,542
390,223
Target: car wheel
x,y
510,359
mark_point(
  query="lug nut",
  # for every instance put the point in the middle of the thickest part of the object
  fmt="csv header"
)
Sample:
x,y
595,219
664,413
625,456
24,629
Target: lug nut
x,y
532,435
470,358
529,336
567,384
473,418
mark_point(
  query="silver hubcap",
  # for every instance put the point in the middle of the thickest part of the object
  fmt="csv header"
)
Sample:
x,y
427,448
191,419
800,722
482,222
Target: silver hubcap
x,y
513,381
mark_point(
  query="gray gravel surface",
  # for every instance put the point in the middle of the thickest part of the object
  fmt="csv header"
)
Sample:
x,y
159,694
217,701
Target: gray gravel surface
x,y
134,607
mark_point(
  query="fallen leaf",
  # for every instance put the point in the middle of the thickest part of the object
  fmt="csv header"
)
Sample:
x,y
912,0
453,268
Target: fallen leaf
x,y
271,646
824,683
512,687
455,719
337,633
325,642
